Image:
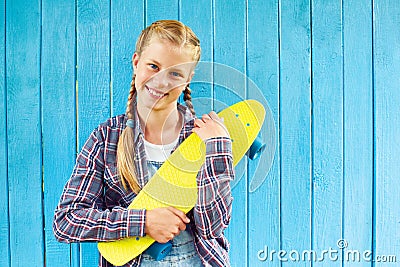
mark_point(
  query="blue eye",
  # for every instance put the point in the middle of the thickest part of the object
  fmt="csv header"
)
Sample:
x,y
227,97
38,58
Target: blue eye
x,y
153,66
176,74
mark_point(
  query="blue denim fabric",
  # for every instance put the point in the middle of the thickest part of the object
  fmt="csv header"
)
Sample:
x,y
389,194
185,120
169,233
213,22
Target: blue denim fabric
x,y
183,253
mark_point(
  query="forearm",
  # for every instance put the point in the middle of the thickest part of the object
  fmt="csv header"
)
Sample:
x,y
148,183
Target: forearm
x,y
82,213
213,209
78,225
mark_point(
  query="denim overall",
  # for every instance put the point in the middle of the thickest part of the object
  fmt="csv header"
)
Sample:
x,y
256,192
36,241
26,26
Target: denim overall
x,y
183,253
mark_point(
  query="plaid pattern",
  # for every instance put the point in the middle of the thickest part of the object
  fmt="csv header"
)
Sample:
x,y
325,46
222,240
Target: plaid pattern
x,y
93,206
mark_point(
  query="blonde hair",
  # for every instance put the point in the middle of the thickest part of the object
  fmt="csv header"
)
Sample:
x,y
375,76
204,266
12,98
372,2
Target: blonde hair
x,y
176,33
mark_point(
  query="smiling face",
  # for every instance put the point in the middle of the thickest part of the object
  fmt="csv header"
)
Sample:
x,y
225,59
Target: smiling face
x,y
162,72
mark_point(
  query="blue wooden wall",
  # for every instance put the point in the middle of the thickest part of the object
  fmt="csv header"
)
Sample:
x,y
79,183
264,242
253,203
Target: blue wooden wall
x,y
328,69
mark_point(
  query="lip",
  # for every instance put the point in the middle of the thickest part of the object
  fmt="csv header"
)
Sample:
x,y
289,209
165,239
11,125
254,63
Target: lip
x,y
155,93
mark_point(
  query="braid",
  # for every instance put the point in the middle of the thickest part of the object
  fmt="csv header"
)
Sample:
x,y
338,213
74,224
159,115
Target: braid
x,y
125,150
130,104
188,99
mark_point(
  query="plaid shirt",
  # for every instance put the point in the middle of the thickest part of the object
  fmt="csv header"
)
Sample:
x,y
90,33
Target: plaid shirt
x,y
93,206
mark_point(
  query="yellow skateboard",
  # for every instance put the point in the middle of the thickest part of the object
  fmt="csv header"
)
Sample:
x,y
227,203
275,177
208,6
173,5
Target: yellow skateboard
x,y
174,184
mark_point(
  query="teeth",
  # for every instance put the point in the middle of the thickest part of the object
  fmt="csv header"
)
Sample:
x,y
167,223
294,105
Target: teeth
x,y
155,93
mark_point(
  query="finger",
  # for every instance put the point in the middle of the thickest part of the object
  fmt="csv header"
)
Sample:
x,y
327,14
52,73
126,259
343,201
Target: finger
x,y
205,117
171,237
176,231
182,226
214,115
198,123
180,214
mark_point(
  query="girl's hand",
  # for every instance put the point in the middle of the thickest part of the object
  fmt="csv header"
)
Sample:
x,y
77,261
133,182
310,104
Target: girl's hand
x,y
163,224
209,126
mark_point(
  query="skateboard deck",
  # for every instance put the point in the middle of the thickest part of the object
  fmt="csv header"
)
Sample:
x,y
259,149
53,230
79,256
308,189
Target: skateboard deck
x,y
174,184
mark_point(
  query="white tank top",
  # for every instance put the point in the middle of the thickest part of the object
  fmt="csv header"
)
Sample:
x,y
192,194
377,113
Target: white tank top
x,y
159,153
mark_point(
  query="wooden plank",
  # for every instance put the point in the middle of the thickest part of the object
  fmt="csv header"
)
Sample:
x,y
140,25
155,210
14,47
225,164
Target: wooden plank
x,y
124,33
58,115
201,85
4,222
386,48
93,78
358,127
295,128
327,127
264,210
159,9
230,51
24,133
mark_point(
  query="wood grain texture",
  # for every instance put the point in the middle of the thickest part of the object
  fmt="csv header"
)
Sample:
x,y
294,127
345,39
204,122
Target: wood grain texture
x,y
93,78
386,49
328,70
295,127
4,222
24,133
58,115
198,15
230,51
358,127
159,9
127,22
327,126
263,228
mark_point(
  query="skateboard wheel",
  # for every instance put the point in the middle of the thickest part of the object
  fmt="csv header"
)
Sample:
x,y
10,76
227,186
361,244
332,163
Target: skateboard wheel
x,y
256,148
159,250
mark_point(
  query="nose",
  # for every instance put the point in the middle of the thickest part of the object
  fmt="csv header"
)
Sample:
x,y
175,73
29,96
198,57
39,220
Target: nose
x,y
161,81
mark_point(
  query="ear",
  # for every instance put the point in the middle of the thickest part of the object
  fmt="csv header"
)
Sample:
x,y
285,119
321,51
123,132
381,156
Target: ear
x,y
135,61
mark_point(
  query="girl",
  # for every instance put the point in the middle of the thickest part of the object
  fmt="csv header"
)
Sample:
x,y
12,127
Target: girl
x,y
123,153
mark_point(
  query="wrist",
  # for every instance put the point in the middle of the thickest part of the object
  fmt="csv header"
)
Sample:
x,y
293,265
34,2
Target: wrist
x,y
218,145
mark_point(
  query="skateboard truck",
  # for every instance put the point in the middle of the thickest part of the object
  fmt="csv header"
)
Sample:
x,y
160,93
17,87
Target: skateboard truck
x,y
244,120
256,148
159,251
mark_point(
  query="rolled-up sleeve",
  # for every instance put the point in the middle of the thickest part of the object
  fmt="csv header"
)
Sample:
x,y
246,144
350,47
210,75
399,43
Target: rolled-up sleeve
x,y
81,214
212,212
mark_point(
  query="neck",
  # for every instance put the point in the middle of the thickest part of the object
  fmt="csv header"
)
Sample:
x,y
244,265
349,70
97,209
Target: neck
x,y
160,126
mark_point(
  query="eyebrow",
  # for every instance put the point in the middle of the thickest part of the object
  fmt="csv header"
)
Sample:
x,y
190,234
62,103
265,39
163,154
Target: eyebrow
x,y
155,61
173,68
